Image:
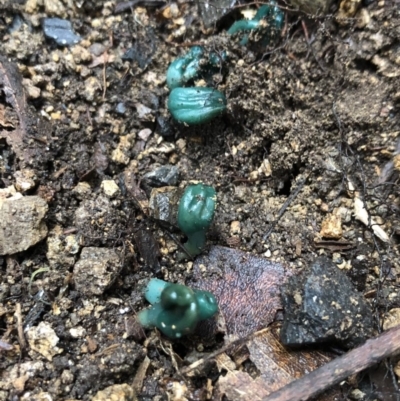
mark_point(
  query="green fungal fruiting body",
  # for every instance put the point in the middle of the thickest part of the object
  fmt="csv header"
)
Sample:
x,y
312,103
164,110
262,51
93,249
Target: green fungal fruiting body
x,y
194,106
243,25
269,19
176,309
216,59
184,68
193,65
195,214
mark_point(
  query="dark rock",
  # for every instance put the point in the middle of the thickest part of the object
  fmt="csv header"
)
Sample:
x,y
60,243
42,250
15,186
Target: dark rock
x,y
322,305
162,176
60,30
164,127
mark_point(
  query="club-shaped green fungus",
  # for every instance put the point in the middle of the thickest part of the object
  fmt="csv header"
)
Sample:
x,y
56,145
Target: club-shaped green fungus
x,y
176,309
195,214
269,19
193,106
184,68
192,65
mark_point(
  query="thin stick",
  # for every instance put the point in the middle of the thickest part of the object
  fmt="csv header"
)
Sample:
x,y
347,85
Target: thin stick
x,y
368,354
20,329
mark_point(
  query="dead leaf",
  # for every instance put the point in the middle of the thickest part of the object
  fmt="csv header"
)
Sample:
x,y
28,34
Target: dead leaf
x,y
277,365
240,386
246,286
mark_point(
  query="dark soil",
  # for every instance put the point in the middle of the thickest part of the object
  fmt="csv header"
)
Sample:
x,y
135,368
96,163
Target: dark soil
x,y
312,124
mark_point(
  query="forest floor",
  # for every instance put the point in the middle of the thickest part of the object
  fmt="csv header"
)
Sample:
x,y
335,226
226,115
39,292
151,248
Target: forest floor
x,y
311,127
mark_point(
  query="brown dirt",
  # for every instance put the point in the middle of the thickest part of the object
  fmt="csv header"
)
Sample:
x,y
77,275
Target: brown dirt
x,y
319,118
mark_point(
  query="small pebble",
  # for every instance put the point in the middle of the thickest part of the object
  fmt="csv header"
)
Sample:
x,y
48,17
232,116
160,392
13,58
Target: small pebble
x,y
121,108
110,188
60,30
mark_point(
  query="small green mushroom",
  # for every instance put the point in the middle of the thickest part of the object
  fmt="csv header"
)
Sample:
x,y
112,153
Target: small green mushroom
x,y
195,214
192,65
184,68
271,14
196,105
176,309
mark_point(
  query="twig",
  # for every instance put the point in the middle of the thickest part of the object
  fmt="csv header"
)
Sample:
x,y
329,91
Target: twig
x,y
370,353
20,329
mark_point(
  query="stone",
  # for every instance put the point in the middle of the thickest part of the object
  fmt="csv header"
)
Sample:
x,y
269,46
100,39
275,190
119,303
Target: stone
x,y
235,227
391,319
82,190
21,223
77,332
117,392
43,339
92,85
96,270
332,227
110,188
167,175
163,205
60,30
321,305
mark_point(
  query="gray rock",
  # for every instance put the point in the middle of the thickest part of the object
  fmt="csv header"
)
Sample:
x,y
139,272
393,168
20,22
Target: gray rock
x,y
21,223
60,30
167,175
96,270
322,305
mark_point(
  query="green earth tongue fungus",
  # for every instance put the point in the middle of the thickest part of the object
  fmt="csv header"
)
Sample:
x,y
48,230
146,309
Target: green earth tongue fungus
x,y
194,106
176,309
192,65
195,214
271,14
184,68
